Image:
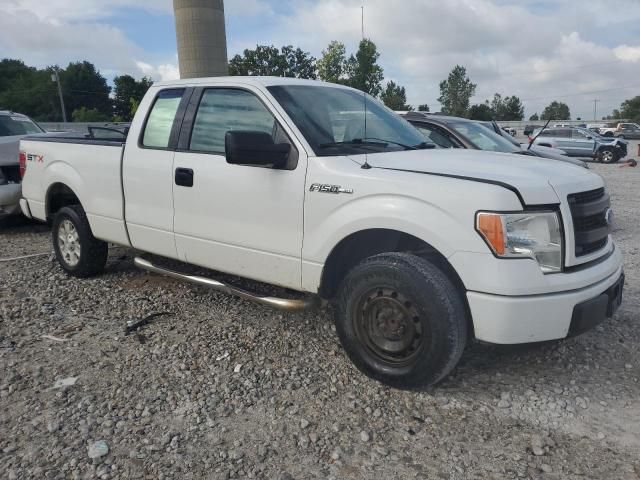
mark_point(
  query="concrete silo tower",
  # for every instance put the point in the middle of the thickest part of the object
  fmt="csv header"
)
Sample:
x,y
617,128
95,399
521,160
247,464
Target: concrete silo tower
x,y
202,41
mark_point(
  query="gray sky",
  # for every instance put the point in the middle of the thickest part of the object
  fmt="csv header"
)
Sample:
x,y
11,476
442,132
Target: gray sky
x,y
541,50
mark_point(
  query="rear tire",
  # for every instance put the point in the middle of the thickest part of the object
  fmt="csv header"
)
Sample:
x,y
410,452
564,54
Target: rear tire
x,y
608,155
401,320
78,252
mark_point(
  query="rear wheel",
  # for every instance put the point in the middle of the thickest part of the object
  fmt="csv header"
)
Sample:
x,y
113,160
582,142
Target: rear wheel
x,y
607,155
401,320
78,252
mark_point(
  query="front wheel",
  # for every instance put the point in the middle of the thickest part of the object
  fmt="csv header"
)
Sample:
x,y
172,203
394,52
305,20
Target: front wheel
x,y
401,320
78,252
607,155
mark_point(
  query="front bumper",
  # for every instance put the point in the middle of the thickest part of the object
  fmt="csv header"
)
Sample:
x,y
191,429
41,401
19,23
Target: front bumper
x,y
10,199
536,318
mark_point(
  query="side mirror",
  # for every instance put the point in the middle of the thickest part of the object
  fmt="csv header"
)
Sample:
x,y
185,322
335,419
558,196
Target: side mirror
x,y
255,148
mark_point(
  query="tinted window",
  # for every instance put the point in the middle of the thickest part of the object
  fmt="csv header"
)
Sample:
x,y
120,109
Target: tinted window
x,y
11,125
435,135
563,133
483,138
157,131
222,110
579,135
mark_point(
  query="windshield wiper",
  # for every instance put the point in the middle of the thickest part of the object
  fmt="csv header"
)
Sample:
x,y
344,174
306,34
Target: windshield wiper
x,y
378,142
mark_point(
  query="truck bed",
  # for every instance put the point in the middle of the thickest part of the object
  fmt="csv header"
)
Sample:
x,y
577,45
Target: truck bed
x,y
91,168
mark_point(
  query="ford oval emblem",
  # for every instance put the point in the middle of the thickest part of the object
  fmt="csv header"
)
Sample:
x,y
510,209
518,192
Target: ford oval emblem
x,y
608,217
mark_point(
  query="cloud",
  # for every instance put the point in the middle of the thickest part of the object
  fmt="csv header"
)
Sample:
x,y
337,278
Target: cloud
x,y
627,53
167,71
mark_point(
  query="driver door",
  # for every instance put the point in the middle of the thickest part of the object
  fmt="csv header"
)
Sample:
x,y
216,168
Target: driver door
x,y
241,219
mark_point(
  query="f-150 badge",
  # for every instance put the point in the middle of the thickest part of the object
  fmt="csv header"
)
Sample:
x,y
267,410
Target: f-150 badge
x,y
319,187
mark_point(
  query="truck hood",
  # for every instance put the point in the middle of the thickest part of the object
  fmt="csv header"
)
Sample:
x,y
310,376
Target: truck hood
x,y
535,180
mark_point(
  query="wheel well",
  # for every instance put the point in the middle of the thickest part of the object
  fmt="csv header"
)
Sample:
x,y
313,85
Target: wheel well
x,y
366,243
59,196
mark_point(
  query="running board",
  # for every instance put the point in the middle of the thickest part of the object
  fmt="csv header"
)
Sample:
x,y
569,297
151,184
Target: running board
x,y
289,305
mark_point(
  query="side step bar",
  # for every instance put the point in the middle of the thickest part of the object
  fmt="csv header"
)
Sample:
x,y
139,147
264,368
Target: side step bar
x,y
289,305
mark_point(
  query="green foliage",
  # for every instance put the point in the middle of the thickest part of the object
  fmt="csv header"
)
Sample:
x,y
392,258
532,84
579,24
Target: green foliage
x,y
630,109
534,117
332,65
395,97
84,86
83,114
363,71
128,92
456,92
269,60
507,108
556,111
31,91
481,111
423,108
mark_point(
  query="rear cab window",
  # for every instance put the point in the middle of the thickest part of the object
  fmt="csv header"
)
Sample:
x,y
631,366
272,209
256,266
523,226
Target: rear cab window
x,y
13,125
160,122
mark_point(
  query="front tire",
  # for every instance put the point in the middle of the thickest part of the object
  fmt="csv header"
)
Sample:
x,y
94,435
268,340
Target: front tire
x,y
79,253
608,155
401,320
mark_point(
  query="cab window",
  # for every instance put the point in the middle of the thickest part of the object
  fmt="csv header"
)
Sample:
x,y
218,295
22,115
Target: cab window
x,y
157,130
224,109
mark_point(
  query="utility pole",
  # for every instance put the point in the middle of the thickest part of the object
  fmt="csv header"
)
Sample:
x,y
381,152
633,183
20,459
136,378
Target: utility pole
x,y
362,21
595,109
56,78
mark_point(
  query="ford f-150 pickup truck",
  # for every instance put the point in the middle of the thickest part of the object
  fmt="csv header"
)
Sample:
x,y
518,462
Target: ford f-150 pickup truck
x,y
319,189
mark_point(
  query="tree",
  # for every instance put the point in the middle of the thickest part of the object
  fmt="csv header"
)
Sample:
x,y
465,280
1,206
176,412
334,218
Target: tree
x,y
481,111
456,91
423,108
395,97
556,111
363,71
28,90
534,117
126,90
630,109
83,114
269,60
507,108
84,86
332,65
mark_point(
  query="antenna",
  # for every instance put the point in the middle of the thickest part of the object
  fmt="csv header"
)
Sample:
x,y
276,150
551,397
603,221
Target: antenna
x,y
365,165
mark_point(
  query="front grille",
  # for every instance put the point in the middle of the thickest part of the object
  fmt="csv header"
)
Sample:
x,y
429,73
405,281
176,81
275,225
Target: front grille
x,y
589,215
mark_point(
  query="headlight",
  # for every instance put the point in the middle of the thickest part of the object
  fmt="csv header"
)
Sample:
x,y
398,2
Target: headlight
x,y
536,235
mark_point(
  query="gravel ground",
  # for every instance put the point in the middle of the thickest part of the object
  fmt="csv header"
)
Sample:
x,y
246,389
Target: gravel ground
x,y
221,388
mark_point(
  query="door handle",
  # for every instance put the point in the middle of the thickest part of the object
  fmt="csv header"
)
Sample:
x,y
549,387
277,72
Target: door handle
x,y
184,177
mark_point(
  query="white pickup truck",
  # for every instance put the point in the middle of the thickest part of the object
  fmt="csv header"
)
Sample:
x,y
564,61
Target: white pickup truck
x,y
316,188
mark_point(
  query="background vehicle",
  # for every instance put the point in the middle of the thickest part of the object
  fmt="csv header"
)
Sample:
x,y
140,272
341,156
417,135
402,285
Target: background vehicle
x,y
528,129
13,127
628,131
546,152
580,142
510,130
319,189
611,129
455,132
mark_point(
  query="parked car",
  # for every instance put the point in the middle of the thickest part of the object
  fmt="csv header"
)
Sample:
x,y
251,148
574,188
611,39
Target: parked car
x,y
510,130
528,130
546,152
13,127
580,142
417,248
628,130
611,129
455,132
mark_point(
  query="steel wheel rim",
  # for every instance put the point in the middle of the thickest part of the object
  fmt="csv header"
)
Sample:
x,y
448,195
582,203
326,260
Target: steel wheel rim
x,y
607,156
389,326
69,243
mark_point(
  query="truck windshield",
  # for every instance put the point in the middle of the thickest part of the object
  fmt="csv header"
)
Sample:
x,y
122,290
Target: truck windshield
x,y
11,125
332,121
